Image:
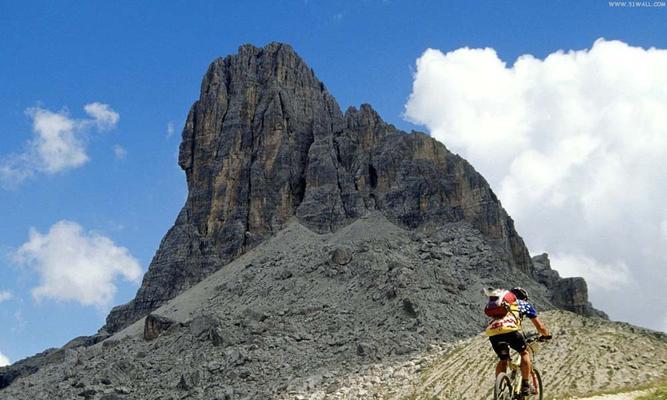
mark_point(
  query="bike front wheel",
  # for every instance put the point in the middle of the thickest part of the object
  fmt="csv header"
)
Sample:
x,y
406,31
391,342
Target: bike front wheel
x,y
536,379
503,388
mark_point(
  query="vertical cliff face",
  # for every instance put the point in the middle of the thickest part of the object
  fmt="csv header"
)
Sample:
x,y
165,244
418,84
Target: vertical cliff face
x,y
266,142
567,293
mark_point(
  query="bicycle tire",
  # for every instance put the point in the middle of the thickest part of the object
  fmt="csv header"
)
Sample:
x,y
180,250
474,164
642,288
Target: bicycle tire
x,y
502,390
537,383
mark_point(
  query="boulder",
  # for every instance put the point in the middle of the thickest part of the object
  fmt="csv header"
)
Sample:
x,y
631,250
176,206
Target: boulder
x,y
155,324
207,327
341,255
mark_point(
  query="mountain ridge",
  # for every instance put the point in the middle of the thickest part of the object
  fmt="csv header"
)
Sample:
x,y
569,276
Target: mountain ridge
x,y
266,141
364,311
372,218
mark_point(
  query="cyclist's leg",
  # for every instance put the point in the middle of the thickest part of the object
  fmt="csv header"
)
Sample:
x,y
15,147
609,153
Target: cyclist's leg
x,y
526,365
501,347
518,342
501,367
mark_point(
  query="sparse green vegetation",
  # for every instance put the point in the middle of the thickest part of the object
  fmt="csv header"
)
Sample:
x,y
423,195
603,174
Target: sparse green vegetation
x,y
659,394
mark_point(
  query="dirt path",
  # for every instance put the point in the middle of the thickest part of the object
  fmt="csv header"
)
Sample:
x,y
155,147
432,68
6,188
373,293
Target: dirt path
x,y
619,396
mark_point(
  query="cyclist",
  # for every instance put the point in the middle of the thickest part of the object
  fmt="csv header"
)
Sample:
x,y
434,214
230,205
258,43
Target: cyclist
x,y
507,310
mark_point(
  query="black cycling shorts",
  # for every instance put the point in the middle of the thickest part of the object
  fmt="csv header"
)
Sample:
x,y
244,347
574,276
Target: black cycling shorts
x,y
502,343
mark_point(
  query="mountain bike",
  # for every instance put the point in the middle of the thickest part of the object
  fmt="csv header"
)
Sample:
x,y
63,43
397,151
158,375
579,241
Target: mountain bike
x,y
508,384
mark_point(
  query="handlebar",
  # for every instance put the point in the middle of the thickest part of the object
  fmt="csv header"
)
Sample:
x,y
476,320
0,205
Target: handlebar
x,y
534,337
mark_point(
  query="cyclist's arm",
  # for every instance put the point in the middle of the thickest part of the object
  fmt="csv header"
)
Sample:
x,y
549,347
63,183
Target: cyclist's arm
x,y
529,311
541,328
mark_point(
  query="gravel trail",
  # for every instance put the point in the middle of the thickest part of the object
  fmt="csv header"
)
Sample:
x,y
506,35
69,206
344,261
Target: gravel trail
x,y
618,396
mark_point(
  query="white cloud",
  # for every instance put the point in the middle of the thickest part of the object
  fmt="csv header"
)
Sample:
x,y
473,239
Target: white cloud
x,y
103,116
612,276
59,142
171,128
74,265
56,146
4,360
573,144
5,295
119,152
20,323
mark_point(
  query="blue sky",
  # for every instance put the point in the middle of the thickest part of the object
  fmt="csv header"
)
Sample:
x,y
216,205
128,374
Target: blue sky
x,y
145,61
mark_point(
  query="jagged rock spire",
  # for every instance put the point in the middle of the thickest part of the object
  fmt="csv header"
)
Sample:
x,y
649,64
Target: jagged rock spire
x,y
266,142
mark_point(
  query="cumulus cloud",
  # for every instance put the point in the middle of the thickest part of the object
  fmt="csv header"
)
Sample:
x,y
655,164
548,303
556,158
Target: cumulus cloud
x,y
75,265
59,142
574,144
5,295
4,360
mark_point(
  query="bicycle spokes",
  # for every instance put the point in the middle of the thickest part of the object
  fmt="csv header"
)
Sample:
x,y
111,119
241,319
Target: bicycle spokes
x,y
503,388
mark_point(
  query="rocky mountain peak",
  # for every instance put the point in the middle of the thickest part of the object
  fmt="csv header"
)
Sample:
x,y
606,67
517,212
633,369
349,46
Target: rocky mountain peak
x,y
266,143
567,293
274,63
312,243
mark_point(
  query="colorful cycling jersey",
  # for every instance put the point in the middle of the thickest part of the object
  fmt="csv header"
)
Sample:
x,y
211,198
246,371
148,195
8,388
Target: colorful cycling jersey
x,y
511,322
526,309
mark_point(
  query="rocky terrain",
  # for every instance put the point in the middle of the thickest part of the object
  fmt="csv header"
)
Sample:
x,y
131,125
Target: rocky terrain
x,y
320,254
587,355
370,311
266,142
301,308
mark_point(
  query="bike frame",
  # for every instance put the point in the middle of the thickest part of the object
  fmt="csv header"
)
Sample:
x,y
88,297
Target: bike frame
x,y
514,366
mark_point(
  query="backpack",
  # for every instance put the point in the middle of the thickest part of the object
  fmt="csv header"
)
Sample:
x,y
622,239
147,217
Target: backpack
x,y
499,302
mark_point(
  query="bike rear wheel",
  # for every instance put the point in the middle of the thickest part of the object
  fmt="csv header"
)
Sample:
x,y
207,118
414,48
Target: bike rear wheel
x,y
503,388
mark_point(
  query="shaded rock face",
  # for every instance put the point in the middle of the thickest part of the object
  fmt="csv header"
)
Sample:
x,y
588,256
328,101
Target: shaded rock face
x,y
567,293
266,142
154,325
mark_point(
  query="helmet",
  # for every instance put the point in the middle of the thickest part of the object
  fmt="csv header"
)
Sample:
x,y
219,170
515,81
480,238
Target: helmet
x,y
520,293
